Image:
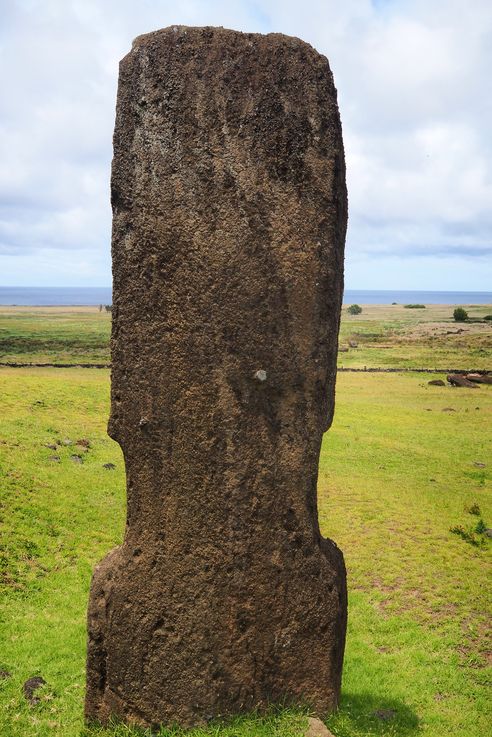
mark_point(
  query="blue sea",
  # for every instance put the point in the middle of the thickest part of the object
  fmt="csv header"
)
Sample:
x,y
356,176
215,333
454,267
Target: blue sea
x,y
55,296
80,296
402,297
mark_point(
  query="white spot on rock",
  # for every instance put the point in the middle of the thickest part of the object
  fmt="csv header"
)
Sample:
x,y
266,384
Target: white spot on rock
x,y
261,375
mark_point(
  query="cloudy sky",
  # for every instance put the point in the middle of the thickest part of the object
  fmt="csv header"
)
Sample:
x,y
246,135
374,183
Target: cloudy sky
x,y
413,78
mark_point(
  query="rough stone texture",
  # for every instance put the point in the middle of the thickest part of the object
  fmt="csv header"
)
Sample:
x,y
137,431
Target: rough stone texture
x,y
229,216
480,378
459,380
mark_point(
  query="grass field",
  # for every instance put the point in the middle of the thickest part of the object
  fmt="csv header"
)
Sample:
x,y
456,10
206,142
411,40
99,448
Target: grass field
x,y
386,336
396,473
54,335
391,335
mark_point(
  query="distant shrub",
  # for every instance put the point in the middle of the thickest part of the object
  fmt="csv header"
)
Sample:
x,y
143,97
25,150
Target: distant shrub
x,y
354,309
476,536
460,315
488,317
394,303
414,307
467,535
481,527
473,509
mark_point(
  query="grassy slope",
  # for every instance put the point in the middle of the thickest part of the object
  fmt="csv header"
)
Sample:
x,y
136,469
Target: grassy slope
x,y
394,477
387,335
54,335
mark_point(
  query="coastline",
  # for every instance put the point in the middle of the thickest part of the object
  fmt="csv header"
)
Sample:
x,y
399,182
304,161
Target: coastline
x,y
76,297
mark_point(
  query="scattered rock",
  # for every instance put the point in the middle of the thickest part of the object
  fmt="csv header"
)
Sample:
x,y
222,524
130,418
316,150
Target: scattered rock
x,y
316,728
448,409
488,532
353,344
342,349
56,459
437,382
67,441
83,442
480,378
109,466
30,687
51,446
460,380
76,458
4,674
385,714
479,464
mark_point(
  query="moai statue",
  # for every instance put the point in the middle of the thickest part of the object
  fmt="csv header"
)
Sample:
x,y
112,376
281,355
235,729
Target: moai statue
x,y
229,218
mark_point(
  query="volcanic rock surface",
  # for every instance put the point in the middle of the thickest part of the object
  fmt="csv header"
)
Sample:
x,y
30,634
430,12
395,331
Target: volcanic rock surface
x,y
229,217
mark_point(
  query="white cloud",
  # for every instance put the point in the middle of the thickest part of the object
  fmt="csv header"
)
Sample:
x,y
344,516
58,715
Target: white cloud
x,y
413,85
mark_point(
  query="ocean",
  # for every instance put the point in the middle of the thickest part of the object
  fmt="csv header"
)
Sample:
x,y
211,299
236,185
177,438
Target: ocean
x,y
55,296
80,296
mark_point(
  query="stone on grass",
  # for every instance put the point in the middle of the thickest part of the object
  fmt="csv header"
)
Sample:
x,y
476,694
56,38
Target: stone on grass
x,y
229,217
462,381
385,715
480,378
436,382
30,687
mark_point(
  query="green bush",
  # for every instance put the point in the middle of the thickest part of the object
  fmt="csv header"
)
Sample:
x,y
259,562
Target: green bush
x,y
414,307
354,309
481,527
488,317
460,315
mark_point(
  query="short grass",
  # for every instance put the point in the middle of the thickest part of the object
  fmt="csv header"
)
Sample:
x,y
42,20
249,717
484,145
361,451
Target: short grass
x,y
392,336
386,336
396,473
54,335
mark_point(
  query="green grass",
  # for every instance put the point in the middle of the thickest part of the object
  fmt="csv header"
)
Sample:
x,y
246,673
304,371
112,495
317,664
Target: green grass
x,y
396,473
386,336
54,335
392,336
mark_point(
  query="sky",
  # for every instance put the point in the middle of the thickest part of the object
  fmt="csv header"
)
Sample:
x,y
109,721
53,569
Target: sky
x,y
413,80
